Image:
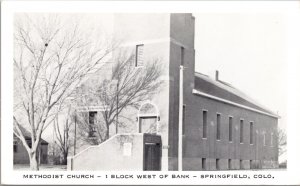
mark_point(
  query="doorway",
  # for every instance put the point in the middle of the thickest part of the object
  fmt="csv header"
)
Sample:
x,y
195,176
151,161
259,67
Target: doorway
x,y
152,157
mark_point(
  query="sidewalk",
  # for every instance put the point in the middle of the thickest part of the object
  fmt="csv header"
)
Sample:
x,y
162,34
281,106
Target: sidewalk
x,y
22,167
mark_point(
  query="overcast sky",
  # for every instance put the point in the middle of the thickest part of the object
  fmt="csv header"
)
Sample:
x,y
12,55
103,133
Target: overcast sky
x,y
249,52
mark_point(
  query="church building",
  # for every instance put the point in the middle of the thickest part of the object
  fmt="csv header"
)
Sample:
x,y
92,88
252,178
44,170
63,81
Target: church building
x,y
212,125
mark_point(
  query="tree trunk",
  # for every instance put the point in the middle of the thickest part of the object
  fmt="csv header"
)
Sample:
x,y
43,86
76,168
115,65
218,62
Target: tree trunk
x,y
65,158
33,161
106,133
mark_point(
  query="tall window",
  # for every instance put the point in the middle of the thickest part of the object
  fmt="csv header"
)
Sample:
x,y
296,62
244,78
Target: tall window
x,y
92,126
271,139
251,132
218,126
264,138
229,164
241,131
139,51
204,118
203,163
230,129
182,56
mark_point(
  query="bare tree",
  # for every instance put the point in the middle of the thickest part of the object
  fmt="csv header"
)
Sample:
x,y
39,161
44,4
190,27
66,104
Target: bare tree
x,y
85,133
282,141
64,136
125,87
51,57
54,153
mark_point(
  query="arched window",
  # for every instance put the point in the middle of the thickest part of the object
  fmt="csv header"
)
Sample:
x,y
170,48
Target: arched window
x,y
148,117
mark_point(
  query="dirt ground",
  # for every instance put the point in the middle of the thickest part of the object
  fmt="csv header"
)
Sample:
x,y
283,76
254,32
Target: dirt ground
x,y
23,167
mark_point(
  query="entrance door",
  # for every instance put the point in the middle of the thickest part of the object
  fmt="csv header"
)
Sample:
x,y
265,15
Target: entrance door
x,y
152,157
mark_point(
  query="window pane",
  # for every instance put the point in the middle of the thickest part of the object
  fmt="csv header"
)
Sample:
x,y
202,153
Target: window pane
x,y
271,139
182,56
139,61
218,126
230,128
251,132
204,124
241,131
92,127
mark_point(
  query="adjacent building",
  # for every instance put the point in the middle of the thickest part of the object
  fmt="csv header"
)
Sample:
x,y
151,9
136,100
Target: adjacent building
x,y
20,153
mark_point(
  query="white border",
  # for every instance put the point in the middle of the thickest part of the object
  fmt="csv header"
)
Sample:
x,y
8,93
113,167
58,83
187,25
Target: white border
x,y
290,9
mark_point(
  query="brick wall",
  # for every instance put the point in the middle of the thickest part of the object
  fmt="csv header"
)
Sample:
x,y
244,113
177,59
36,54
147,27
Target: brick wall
x,y
196,147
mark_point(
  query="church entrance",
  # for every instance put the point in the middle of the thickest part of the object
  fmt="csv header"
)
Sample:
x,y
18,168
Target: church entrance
x,y
148,123
152,157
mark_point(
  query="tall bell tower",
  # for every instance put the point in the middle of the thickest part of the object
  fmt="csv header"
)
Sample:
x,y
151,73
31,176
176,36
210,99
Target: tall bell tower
x,y
170,38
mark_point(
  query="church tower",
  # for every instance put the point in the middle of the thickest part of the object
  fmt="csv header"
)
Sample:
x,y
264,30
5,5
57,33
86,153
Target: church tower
x,y
169,38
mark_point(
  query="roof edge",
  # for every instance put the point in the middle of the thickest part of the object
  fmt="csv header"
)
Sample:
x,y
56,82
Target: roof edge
x,y
197,92
224,85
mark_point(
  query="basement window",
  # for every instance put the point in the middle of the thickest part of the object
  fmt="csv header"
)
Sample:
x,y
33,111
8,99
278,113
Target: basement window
x,y
251,164
218,164
241,164
203,163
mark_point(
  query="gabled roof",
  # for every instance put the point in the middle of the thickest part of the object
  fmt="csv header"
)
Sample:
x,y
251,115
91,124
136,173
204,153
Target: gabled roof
x,y
224,91
27,135
25,132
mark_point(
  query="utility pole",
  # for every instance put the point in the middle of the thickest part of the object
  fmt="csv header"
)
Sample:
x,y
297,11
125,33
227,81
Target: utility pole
x,y
75,120
117,117
180,118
